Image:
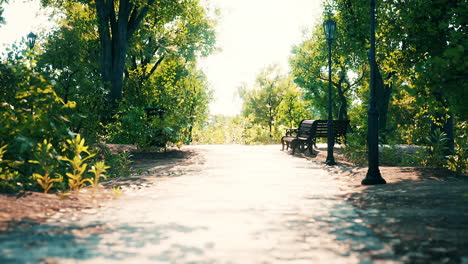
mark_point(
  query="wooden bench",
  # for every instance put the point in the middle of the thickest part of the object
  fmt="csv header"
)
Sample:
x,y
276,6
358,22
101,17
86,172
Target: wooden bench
x,y
305,137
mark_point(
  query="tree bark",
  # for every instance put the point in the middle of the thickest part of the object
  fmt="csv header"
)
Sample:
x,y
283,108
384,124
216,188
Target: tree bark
x,y
383,95
115,31
447,123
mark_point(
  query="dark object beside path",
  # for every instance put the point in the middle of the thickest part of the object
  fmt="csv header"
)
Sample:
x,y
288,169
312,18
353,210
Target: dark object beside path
x,y
305,137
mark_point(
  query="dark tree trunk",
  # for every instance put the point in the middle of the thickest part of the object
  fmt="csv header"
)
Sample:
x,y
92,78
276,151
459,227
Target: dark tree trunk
x,y
446,118
343,103
343,109
383,96
115,31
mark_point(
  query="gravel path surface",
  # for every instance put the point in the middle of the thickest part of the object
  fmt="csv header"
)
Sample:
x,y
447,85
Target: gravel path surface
x,y
235,204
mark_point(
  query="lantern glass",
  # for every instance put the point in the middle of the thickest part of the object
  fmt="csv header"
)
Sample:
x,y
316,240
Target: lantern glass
x,y
329,27
31,40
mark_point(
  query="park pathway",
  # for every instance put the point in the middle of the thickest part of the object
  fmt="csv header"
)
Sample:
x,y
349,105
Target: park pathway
x,y
243,204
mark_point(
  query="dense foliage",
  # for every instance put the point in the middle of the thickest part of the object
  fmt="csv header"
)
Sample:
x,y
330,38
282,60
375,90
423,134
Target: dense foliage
x,y
64,90
122,71
421,83
421,78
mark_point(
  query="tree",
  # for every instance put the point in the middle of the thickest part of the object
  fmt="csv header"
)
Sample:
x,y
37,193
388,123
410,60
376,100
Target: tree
x,y
68,58
118,23
293,108
262,102
309,69
419,47
188,36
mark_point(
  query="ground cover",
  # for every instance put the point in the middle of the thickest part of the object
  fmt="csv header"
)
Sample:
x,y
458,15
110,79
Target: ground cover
x,y
422,212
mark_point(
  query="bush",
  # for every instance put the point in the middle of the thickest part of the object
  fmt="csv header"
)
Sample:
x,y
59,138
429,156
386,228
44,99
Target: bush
x,y
37,149
355,149
131,125
459,161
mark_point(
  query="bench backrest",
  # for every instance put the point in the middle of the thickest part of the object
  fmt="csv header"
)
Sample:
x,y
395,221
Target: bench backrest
x,y
319,128
305,128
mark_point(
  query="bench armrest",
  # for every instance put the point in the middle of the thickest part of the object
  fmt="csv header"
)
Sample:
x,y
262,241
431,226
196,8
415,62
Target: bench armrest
x,y
291,131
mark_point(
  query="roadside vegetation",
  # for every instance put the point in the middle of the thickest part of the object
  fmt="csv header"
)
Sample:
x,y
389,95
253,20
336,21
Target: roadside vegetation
x,y
421,83
63,99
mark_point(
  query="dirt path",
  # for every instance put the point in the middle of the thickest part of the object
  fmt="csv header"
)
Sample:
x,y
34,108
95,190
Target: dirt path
x,y
227,204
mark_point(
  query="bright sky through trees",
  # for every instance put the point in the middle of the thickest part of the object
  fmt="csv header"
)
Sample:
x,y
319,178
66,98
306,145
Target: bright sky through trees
x,y
252,34
21,17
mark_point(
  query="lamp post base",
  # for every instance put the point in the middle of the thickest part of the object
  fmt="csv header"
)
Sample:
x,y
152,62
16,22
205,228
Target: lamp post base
x,y
373,178
330,161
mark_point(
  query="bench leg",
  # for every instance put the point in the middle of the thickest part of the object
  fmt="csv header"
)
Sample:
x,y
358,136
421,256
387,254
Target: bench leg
x,y
311,148
294,145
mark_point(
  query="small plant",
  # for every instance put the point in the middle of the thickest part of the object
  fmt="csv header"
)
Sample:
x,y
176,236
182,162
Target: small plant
x,y
437,148
117,192
8,176
76,179
459,161
355,149
119,163
62,195
98,170
47,159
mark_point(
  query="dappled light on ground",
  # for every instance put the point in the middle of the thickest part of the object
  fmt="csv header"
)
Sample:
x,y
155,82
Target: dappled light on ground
x,y
229,204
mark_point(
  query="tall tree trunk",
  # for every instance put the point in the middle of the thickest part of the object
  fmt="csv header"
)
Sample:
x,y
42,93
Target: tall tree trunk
x,y
383,95
343,104
384,92
115,31
343,109
447,123
103,15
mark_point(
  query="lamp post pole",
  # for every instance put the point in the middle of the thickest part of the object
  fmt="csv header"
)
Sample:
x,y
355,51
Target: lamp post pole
x,y
373,175
329,27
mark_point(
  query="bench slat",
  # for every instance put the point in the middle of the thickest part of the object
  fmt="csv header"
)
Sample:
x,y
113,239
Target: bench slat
x,y
309,130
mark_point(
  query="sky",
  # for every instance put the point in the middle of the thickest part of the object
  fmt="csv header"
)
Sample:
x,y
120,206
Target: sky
x,y
21,17
251,35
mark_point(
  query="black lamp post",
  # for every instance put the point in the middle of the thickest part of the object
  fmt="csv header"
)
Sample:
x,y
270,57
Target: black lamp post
x,y
373,175
31,40
329,27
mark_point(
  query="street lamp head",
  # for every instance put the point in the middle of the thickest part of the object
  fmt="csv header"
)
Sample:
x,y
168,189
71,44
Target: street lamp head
x,y
329,26
31,40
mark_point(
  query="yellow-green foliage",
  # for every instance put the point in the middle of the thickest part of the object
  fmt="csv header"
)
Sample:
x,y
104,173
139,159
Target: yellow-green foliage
x,y
6,173
98,170
117,192
46,157
76,179
45,181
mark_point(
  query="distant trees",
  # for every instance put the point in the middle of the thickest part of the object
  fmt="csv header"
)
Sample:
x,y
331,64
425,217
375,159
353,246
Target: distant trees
x,y
274,101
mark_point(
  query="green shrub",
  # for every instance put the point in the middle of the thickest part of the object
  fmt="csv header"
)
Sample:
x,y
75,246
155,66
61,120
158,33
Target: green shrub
x,y
36,144
355,149
29,115
119,163
132,126
459,161
437,142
